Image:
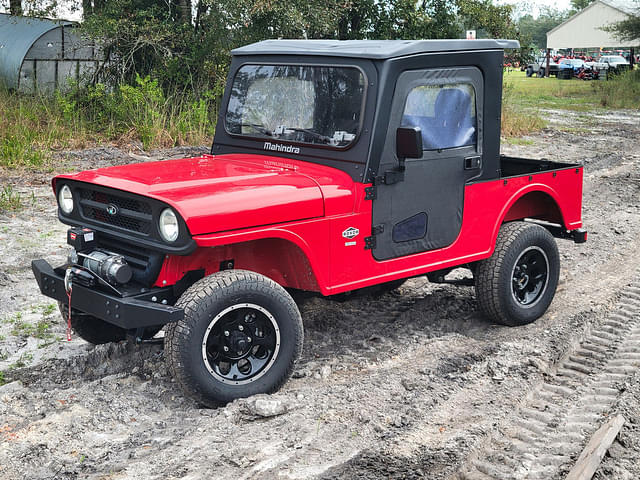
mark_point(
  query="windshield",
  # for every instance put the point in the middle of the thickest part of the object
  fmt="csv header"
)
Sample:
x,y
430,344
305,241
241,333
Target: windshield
x,y
616,59
297,103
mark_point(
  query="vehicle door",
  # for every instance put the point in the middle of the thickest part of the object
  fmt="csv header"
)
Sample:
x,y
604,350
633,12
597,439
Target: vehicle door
x,y
423,210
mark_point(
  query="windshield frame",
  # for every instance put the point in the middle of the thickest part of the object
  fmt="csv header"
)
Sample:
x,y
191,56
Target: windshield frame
x,y
266,138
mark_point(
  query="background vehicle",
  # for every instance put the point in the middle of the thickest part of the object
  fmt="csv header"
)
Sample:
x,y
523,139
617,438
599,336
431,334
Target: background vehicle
x,y
614,63
540,65
336,166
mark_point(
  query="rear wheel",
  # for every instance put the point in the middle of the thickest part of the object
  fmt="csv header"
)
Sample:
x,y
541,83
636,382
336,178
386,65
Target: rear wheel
x,y
241,335
516,285
529,71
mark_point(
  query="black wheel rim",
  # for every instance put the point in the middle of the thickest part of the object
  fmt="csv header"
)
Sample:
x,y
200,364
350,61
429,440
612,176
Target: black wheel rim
x,y
530,277
241,343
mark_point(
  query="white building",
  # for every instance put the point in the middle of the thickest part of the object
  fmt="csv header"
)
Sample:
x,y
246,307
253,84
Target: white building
x,y
584,29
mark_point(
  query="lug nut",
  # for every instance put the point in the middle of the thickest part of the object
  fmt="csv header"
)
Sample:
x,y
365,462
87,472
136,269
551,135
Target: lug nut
x,y
248,339
225,348
240,327
226,333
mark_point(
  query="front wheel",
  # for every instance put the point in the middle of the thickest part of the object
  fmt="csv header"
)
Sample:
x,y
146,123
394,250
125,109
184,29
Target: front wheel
x,y
516,285
529,71
241,335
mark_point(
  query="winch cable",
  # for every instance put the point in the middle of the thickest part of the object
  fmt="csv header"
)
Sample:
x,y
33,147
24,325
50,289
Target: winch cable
x,y
68,287
69,316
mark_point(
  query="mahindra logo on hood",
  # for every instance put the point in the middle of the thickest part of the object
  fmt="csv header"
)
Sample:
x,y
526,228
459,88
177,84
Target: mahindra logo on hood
x,y
277,147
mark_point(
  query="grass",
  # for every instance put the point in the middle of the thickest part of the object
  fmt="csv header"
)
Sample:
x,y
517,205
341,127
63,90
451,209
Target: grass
x,y
10,200
621,92
2,378
551,93
33,126
524,97
23,361
40,330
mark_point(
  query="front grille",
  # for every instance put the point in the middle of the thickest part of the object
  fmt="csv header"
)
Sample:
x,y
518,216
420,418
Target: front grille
x,y
126,213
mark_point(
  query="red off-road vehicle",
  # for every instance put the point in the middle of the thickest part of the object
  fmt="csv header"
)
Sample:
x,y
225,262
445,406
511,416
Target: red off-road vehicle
x,y
335,166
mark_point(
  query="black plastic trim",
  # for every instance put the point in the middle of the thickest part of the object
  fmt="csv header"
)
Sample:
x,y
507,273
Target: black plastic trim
x,y
184,245
134,311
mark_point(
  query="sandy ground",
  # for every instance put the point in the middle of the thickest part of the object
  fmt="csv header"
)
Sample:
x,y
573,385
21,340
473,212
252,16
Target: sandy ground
x,y
412,384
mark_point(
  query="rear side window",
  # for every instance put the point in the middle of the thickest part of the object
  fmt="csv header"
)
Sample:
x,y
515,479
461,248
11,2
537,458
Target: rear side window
x,y
445,114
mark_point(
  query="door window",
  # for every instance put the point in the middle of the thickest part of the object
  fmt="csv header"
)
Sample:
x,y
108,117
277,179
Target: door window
x,y
445,114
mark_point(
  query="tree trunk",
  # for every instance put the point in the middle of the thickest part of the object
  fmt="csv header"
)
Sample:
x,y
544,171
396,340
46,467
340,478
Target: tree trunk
x,y
15,7
184,9
87,9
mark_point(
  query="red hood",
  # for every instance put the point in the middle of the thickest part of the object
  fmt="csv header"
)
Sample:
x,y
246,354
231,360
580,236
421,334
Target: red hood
x,y
228,192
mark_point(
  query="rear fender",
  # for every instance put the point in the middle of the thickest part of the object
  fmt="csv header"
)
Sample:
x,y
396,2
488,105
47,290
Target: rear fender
x,y
533,201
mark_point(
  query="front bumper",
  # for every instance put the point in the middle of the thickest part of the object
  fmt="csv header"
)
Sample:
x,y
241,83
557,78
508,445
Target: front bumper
x,y
130,311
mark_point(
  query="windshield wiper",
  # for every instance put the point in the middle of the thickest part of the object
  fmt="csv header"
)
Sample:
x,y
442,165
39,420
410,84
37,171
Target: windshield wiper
x,y
258,128
314,134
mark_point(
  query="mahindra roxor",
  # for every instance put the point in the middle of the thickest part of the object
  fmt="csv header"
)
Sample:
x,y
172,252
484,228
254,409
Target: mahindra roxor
x,y
336,166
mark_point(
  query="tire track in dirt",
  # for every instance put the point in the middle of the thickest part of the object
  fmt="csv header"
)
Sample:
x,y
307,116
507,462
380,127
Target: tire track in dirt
x,y
551,427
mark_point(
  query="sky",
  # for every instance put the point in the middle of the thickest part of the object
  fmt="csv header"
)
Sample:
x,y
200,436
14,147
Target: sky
x,y
521,7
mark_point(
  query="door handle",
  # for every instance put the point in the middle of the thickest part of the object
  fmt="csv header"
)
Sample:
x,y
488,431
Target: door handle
x,y
472,163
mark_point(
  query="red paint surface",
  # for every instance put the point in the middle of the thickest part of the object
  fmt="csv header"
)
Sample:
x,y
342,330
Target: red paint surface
x,y
230,192
311,254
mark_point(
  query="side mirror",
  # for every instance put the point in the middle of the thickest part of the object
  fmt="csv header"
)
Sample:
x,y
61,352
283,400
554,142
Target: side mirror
x,y
408,142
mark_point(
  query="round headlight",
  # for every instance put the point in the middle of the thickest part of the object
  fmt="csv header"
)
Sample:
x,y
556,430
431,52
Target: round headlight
x,y
169,228
65,199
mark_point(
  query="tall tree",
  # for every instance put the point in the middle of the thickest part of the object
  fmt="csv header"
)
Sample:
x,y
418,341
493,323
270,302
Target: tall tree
x,y
580,4
493,21
15,7
537,28
628,29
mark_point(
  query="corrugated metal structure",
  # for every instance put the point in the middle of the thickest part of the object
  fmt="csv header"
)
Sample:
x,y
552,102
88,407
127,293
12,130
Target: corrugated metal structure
x,y
42,55
584,29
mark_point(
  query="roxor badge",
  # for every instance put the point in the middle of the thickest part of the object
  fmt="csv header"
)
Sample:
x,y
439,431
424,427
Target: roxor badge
x,y
350,232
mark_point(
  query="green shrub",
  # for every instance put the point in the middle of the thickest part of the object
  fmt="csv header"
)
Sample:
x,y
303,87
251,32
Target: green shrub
x,y
516,120
620,91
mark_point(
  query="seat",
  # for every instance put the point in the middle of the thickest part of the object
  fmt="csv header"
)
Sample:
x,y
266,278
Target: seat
x,y
452,125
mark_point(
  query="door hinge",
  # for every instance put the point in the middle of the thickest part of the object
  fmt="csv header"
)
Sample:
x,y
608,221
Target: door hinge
x,y
390,177
370,242
370,193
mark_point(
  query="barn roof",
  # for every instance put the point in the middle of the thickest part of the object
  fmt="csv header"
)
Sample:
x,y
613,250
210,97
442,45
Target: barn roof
x,y
17,34
631,7
374,49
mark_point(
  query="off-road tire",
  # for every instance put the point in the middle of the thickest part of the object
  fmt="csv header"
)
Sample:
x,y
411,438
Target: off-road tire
x,y
201,303
494,276
529,71
541,73
97,331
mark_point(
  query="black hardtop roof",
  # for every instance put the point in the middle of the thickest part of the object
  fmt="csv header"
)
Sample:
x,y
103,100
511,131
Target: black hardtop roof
x,y
374,49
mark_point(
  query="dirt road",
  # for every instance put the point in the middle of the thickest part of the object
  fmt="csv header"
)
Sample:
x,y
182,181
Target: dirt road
x,y
412,384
